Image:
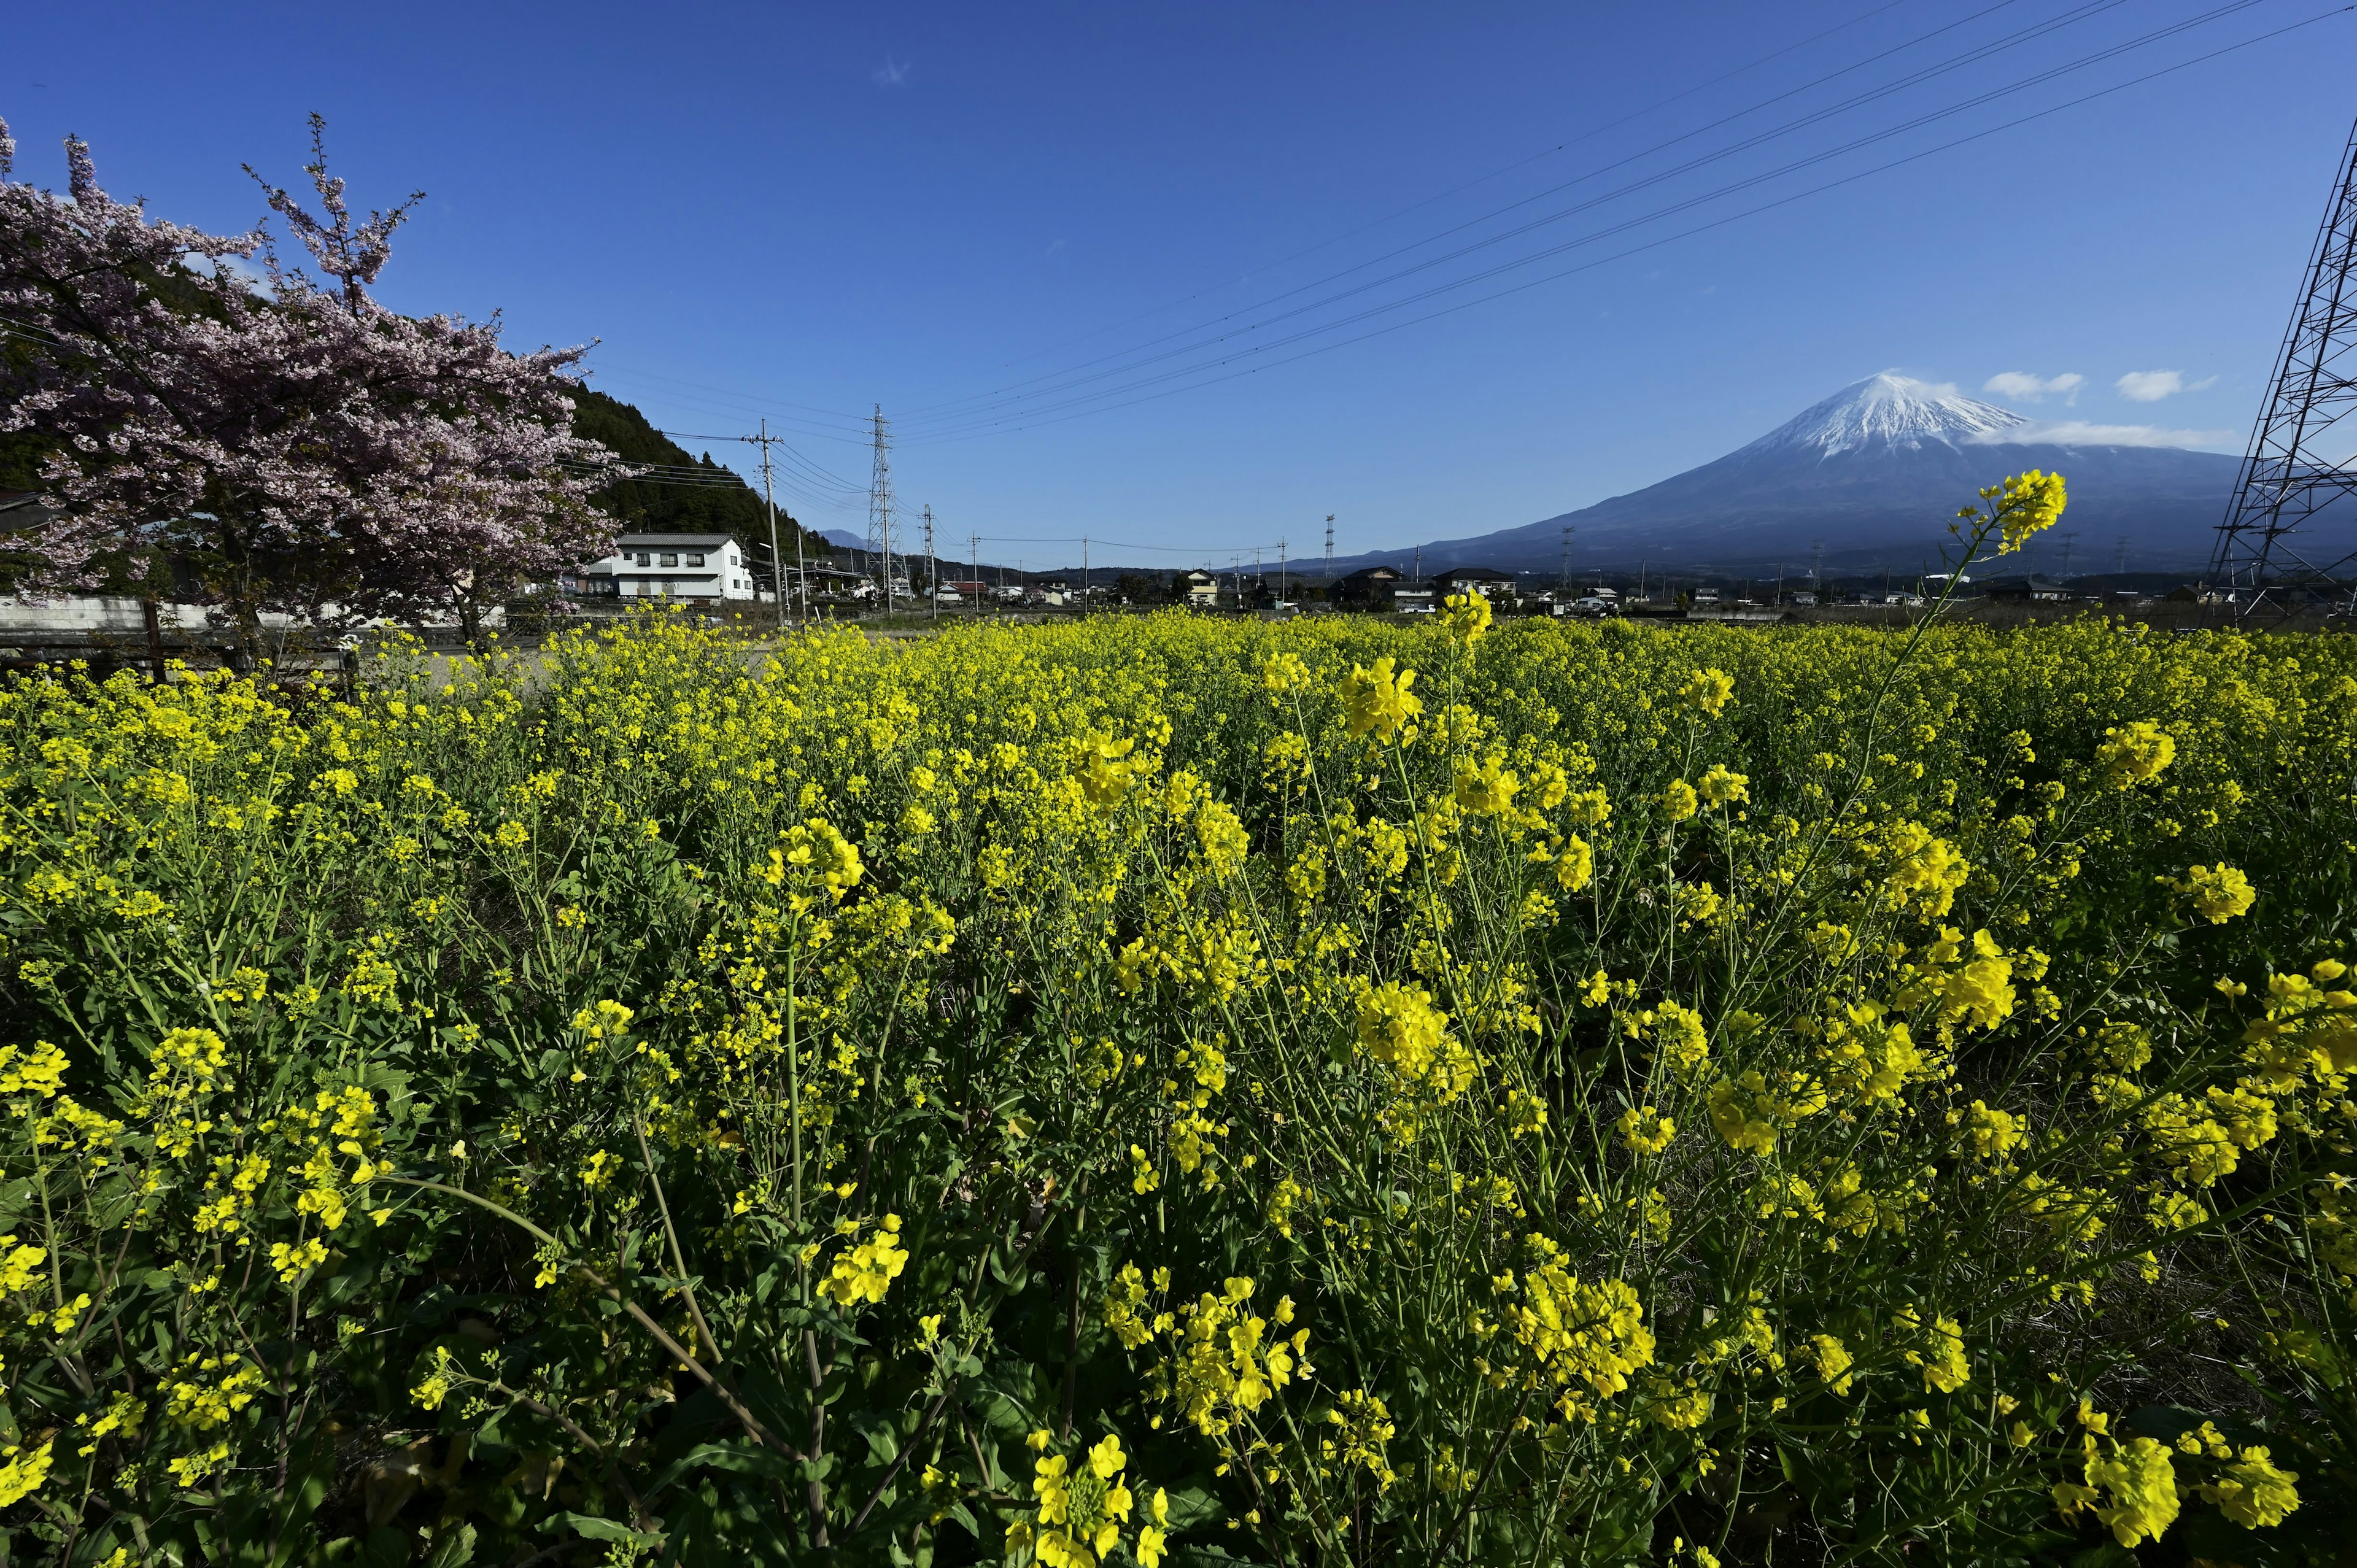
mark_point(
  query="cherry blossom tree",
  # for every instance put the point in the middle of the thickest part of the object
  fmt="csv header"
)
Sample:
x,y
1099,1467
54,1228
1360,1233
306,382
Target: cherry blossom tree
x,y
279,446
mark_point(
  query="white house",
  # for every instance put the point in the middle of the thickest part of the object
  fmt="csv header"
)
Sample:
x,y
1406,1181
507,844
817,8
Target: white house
x,y
672,566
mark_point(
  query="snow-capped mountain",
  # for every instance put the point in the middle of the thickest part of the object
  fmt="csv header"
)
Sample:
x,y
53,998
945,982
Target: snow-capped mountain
x,y
1890,410
1874,473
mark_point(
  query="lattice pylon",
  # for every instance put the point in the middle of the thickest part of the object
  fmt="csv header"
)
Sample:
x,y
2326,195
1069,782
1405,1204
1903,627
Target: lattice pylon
x,y
2276,550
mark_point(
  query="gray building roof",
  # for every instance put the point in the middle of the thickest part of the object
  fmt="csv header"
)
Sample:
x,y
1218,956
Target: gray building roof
x,y
673,540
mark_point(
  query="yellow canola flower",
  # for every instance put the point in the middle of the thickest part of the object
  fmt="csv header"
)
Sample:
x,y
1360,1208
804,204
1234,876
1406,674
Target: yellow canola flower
x,y
2023,506
1680,1040
1366,1430
39,1069
1467,614
1105,768
1585,1335
1646,1130
1679,801
1833,1361
2253,1492
2218,893
864,1273
1574,864
23,1471
1485,788
1723,787
1946,1367
815,849
1080,1511
1399,1026
20,1267
1284,672
1377,701
2140,1483
2134,752
1707,691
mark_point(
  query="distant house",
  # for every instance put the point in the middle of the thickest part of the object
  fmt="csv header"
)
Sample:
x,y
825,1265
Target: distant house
x,y
1203,589
1497,587
1368,588
670,566
831,580
2030,589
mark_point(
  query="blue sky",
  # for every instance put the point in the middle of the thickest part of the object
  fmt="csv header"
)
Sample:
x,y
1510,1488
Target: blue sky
x,y
804,211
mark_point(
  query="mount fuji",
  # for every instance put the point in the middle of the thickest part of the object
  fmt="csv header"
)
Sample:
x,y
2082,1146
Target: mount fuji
x,y
1875,472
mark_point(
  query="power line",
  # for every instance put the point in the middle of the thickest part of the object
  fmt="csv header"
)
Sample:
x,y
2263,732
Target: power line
x,y
979,420
745,407
1033,420
2086,9
850,420
1588,135
813,469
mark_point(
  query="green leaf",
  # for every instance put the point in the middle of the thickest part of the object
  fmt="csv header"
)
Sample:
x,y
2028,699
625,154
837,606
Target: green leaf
x,y
595,1529
453,1548
736,1459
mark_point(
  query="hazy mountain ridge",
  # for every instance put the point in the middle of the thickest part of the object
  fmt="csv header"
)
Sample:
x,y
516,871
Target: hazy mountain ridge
x,y
1876,472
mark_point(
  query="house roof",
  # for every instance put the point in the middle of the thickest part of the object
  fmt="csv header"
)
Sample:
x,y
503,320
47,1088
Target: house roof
x,y
1482,574
673,540
1369,571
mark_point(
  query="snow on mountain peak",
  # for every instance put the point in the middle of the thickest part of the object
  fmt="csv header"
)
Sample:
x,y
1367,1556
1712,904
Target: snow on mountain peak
x,y
1892,410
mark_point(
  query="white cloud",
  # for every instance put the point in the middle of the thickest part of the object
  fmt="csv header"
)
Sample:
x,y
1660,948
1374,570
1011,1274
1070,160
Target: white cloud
x,y
891,73
2029,388
2149,386
2080,432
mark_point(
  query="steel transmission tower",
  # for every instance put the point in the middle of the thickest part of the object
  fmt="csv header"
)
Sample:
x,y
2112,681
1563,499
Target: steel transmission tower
x,y
933,562
2291,472
879,503
1563,568
1330,554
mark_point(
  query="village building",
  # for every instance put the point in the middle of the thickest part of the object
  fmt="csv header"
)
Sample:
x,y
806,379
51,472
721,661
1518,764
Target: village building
x,y
670,566
1497,587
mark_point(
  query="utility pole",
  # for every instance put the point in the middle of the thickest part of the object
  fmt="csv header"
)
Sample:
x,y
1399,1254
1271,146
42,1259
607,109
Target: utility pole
x,y
1084,573
879,503
769,499
1280,571
974,542
933,562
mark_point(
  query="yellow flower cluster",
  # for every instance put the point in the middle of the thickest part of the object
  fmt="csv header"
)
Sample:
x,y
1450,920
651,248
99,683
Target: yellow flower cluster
x,y
1137,933
863,1273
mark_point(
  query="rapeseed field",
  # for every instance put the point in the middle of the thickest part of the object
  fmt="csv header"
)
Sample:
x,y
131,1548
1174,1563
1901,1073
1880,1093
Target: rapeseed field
x,y
1159,1090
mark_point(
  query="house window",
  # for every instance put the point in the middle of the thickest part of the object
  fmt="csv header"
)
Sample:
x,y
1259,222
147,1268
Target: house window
x,y
644,559
695,560
670,558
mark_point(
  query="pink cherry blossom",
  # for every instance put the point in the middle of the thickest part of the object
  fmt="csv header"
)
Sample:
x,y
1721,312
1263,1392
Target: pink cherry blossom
x,y
269,443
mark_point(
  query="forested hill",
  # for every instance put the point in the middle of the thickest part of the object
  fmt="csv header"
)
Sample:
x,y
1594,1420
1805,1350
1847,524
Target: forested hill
x,y
643,506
